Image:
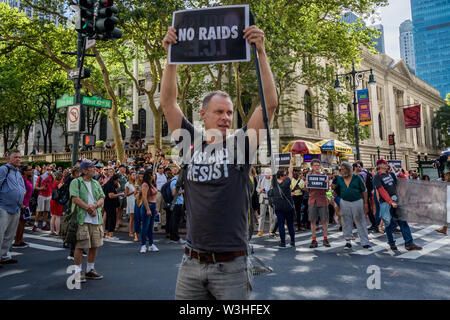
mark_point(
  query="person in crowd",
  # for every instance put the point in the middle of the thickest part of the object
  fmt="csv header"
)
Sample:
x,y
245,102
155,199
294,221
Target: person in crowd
x,y
56,208
12,194
443,230
354,204
285,213
255,196
130,192
111,204
386,185
426,177
178,211
263,187
366,175
161,179
148,214
44,186
25,214
87,199
122,200
376,201
318,207
297,186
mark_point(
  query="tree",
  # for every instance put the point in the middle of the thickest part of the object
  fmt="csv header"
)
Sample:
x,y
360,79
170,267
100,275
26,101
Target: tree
x,y
441,122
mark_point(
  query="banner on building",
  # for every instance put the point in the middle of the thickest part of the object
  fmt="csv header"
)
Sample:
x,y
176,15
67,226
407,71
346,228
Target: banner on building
x,y
412,117
364,107
210,35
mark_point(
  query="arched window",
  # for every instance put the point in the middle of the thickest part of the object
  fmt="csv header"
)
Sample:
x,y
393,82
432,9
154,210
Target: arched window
x,y
164,127
331,114
123,130
104,127
142,123
308,110
380,125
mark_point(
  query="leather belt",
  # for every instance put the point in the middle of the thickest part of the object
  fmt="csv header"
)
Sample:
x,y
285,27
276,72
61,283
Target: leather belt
x,y
213,257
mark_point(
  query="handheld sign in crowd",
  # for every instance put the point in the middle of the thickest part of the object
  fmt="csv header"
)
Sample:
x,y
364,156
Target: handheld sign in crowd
x,y
317,181
396,163
283,159
210,35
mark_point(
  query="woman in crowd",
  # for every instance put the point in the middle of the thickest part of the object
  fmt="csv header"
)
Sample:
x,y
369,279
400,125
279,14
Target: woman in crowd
x,y
148,214
350,187
378,221
111,204
55,208
130,190
27,174
443,230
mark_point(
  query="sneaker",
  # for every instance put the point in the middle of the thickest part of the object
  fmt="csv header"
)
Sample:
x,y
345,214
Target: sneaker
x,y
282,245
112,238
35,228
326,243
143,249
348,245
20,245
93,275
367,247
45,228
410,247
272,234
70,257
80,277
313,244
181,241
260,234
153,248
393,247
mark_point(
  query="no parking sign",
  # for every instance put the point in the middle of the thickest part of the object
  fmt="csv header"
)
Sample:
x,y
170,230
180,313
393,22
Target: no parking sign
x,y
73,118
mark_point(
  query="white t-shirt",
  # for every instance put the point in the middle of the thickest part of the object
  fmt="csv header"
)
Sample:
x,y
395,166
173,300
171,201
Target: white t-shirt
x,y
161,179
266,186
89,218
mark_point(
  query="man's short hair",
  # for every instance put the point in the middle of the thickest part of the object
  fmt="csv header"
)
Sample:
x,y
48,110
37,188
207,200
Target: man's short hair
x,y
281,173
315,161
11,152
210,95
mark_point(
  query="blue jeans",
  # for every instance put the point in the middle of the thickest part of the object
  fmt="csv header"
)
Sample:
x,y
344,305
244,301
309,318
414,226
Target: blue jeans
x,y
377,211
386,212
137,217
289,217
147,224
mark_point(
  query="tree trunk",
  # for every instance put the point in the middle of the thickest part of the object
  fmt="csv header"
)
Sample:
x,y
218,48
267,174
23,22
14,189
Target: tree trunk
x,y
117,134
158,129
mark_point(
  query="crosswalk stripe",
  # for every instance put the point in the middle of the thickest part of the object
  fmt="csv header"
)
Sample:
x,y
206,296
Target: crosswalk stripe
x,y
399,241
32,236
308,235
297,233
15,253
43,247
430,247
342,243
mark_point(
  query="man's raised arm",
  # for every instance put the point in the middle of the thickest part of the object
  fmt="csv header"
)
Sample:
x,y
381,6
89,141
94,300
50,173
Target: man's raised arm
x,y
168,96
256,122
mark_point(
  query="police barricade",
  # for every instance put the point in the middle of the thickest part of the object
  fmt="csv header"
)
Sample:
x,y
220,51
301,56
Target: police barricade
x,y
426,202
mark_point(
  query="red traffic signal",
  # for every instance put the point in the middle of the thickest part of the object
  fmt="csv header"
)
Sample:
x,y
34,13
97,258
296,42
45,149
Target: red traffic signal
x,y
88,140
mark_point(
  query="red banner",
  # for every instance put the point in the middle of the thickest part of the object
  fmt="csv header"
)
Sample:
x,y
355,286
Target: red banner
x,y
412,117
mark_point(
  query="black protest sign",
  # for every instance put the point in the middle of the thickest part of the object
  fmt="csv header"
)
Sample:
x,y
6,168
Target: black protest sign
x,y
210,35
283,159
317,181
396,163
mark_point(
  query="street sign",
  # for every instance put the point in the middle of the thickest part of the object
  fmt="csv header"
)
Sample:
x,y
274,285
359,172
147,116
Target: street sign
x,y
73,118
72,74
96,101
65,101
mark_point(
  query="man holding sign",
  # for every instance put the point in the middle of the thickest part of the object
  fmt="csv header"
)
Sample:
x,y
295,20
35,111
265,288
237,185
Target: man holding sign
x,y
215,264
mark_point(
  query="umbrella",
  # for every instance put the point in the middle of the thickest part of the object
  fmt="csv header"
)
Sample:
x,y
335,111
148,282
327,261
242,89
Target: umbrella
x,y
334,146
302,147
446,152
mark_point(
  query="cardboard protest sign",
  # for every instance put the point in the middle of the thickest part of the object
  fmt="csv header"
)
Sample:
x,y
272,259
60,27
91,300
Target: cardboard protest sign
x,y
210,35
317,181
396,163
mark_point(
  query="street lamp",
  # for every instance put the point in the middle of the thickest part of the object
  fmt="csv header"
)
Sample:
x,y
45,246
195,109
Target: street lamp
x,y
378,151
418,156
38,135
390,153
354,77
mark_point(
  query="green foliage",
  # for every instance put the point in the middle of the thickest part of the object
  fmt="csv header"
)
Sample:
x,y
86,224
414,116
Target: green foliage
x,y
442,123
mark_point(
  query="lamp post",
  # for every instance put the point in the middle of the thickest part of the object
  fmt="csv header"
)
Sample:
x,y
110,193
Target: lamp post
x,y
354,77
38,136
390,153
378,151
418,156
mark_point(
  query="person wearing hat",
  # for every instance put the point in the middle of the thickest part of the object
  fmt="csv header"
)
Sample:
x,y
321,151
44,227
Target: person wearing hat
x,y
386,184
263,187
87,199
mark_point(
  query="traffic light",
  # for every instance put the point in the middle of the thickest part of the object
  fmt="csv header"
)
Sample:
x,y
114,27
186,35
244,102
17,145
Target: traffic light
x,y
105,23
85,19
89,140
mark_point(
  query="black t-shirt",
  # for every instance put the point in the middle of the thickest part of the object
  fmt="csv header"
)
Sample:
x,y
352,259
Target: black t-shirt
x,y
285,187
216,194
388,181
110,203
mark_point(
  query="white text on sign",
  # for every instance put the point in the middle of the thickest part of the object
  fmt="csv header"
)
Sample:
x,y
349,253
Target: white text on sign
x,y
211,33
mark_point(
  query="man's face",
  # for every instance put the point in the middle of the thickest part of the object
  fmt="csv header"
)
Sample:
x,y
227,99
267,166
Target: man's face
x,y
296,174
315,167
218,114
122,170
384,166
160,170
344,172
358,169
15,160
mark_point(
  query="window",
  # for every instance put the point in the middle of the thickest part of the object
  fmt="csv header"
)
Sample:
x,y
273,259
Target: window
x,y
380,125
141,85
331,114
308,111
142,122
104,127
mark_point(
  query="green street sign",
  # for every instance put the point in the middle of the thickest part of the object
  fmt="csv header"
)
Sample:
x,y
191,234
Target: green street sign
x,y
96,101
65,101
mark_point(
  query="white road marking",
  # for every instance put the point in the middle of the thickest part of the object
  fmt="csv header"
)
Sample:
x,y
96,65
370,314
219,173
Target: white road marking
x,y
42,247
430,247
32,236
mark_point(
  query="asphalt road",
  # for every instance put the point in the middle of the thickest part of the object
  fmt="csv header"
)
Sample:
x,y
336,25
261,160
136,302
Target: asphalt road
x,y
297,273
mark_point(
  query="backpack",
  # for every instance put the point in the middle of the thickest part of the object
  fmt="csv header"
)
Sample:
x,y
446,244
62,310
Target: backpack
x,y
63,194
167,194
277,199
6,177
69,225
369,182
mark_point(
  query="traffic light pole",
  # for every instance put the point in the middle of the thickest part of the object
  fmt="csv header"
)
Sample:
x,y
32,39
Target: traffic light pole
x,y
77,85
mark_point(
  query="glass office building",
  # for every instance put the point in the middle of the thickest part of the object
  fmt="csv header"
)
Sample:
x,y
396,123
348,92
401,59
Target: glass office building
x,y
431,28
